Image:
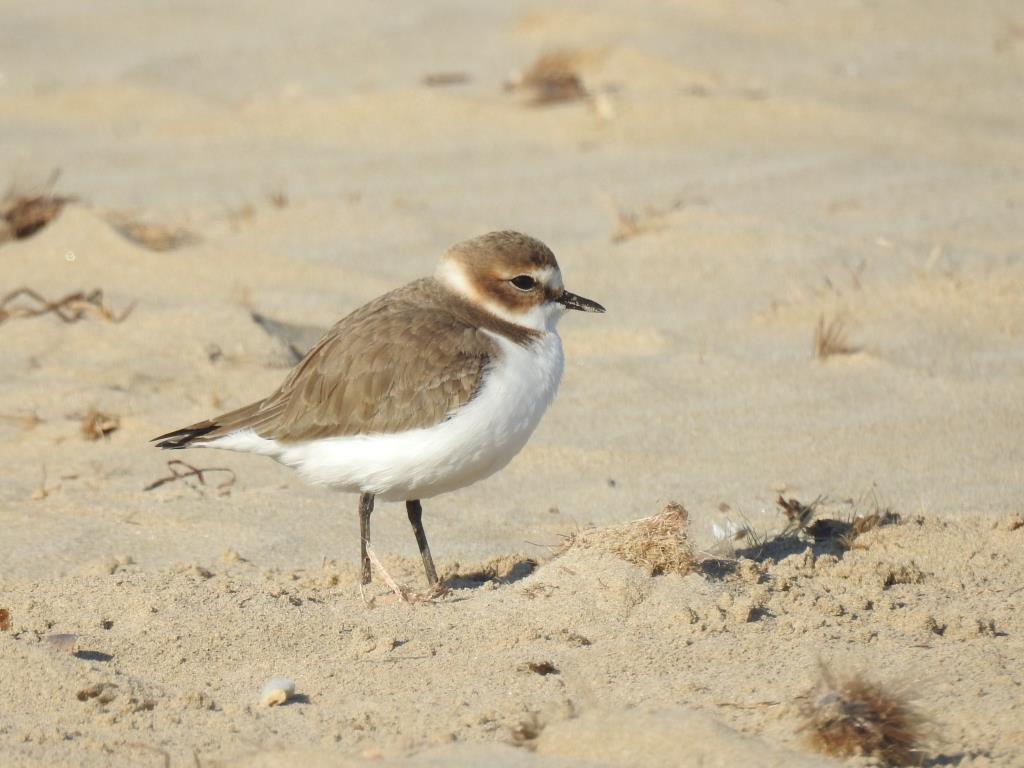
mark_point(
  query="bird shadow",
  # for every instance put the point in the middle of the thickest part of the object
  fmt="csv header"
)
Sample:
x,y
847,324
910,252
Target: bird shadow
x,y
93,656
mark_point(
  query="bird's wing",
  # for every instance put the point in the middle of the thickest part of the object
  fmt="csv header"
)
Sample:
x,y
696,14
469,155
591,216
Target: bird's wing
x,y
400,362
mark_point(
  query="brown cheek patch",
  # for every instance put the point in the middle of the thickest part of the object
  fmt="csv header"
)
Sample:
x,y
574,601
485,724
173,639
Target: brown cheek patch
x,y
496,287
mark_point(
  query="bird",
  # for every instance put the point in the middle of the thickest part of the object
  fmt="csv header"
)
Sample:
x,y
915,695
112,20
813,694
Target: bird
x,y
427,389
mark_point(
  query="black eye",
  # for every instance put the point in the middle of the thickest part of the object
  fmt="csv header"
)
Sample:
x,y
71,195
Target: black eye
x,y
523,282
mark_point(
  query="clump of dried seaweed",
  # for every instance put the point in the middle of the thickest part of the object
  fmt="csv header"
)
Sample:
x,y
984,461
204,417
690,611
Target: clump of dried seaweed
x,y
659,543
852,716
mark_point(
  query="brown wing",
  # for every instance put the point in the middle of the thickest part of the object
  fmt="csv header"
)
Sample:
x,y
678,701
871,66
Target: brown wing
x,y
400,362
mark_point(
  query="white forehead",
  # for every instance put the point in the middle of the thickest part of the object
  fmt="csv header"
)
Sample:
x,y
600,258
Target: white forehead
x,y
550,276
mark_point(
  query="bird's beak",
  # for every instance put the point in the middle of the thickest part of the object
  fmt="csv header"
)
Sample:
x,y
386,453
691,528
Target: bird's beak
x,y
572,301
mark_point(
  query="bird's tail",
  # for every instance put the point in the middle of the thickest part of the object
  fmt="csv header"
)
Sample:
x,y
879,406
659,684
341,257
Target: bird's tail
x,y
203,432
185,437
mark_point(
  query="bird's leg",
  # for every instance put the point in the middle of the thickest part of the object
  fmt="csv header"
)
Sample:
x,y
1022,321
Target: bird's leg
x,y
365,508
416,518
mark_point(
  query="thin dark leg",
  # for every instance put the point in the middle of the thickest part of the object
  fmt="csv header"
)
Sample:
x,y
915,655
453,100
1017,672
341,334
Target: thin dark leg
x,y
416,518
365,508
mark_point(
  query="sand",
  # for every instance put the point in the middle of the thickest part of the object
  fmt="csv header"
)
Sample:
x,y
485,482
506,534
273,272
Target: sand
x,y
737,172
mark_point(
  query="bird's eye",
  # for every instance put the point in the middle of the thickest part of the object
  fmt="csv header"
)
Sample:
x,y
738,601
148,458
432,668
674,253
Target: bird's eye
x,y
523,282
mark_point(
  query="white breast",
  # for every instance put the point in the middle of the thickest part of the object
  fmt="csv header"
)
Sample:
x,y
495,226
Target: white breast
x,y
473,443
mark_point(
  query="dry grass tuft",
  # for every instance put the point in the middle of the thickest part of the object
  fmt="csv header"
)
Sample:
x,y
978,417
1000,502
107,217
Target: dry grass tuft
x,y
552,79
830,339
96,424
658,544
854,717
71,308
861,524
798,515
22,215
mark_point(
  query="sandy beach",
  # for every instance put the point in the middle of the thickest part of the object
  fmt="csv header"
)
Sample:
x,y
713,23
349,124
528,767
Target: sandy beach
x,y
805,220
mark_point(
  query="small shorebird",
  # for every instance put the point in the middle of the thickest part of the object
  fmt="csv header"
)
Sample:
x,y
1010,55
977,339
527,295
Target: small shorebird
x,y
424,390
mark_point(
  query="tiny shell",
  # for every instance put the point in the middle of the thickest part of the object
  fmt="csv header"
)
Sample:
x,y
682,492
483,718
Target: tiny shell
x,y
276,691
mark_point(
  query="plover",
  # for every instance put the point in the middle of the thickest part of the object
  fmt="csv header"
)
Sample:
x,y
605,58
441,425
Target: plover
x,y
427,389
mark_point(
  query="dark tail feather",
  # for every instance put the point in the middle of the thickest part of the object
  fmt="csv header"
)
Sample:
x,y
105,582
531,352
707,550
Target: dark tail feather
x,y
183,438
220,425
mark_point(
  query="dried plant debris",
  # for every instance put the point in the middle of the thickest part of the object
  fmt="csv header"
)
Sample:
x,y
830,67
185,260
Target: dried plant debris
x,y
658,543
542,668
26,420
732,534
862,523
798,515
633,223
96,424
855,717
445,79
833,525
71,308
24,214
552,79
278,198
5,619
830,339
398,592
151,235
843,529
181,470
103,693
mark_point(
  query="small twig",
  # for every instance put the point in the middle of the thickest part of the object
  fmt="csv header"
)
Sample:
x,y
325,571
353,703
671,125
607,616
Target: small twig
x,y
752,705
402,594
200,474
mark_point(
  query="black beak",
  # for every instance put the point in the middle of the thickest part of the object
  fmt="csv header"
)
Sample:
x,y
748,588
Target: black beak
x,y
572,301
